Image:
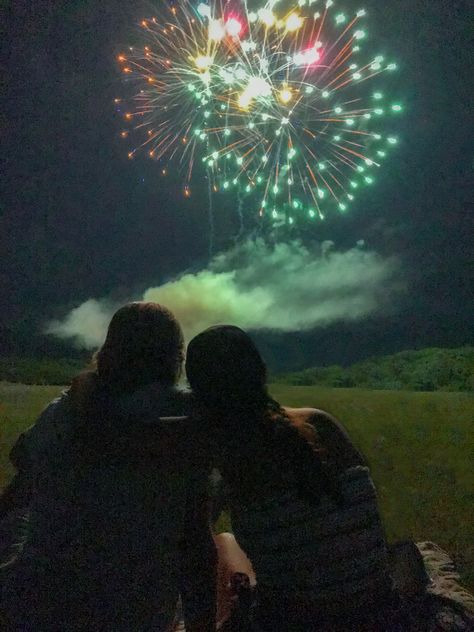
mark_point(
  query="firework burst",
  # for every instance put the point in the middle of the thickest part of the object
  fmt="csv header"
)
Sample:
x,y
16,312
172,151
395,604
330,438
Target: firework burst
x,y
277,102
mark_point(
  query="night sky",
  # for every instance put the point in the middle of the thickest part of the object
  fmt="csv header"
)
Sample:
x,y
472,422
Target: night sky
x,y
79,220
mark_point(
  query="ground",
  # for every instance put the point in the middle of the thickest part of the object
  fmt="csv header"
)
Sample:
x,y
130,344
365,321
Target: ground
x,y
419,446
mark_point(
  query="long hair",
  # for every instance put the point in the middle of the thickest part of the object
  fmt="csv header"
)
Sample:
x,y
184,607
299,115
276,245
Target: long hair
x,y
228,377
144,345
226,371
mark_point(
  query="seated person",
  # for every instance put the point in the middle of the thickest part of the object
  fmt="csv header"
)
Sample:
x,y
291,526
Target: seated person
x,y
303,505
114,476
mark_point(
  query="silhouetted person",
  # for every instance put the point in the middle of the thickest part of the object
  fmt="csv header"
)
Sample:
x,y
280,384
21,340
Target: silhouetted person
x,y
118,523
303,505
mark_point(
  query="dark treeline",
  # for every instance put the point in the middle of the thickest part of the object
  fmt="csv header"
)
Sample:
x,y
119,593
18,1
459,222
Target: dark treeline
x,y
40,371
424,370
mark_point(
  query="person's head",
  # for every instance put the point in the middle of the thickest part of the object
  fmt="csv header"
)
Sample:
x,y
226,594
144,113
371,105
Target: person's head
x,y
144,344
225,369
228,377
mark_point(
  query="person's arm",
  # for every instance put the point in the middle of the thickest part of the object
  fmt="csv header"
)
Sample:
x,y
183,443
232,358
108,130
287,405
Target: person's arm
x,y
219,492
27,451
17,493
199,566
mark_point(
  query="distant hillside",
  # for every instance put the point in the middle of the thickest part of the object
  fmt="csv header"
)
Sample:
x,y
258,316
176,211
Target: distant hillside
x,y
39,371
425,370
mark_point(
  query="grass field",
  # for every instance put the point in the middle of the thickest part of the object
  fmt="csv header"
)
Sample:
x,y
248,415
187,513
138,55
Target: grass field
x,y
420,447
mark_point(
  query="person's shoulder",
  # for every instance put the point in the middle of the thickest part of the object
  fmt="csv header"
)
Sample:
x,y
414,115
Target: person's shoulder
x,y
182,397
314,416
331,434
53,414
47,430
169,426
158,401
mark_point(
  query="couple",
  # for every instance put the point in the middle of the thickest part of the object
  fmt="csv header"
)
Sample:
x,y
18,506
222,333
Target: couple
x,y
114,478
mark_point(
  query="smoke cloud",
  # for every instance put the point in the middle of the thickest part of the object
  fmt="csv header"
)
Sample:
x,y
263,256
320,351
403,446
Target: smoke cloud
x,y
285,287
86,324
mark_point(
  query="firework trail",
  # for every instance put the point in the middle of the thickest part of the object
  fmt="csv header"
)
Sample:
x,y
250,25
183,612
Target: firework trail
x,y
240,214
211,218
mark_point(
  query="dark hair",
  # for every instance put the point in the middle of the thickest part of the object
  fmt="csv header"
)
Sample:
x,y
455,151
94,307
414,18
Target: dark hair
x,y
228,378
226,370
144,345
